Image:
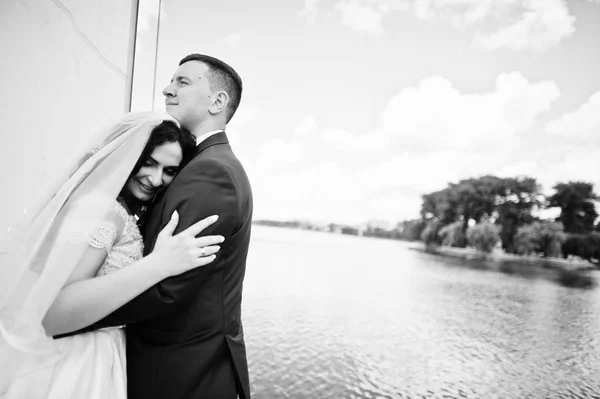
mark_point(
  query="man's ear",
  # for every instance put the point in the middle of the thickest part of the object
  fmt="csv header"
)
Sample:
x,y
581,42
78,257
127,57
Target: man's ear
x,y
221,99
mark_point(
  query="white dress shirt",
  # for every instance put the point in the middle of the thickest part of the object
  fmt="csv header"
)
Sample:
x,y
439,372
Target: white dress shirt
x,y
203,137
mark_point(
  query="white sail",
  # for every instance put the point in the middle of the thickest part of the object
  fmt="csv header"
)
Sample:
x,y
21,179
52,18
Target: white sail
x,y
67,67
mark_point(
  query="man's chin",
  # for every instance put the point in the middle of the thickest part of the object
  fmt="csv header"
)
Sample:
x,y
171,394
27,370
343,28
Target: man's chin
x,y
172,110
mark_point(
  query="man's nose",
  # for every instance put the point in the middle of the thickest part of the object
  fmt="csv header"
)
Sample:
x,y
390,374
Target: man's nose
x,y
168,91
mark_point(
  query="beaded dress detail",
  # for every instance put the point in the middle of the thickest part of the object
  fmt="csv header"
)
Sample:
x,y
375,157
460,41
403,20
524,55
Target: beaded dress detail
x,y
123,250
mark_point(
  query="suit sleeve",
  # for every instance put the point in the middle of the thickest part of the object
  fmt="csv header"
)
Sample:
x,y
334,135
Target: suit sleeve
x,y
205,190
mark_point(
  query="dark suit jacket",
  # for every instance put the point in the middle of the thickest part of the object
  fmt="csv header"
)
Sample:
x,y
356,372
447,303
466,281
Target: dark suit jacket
x,y
184,335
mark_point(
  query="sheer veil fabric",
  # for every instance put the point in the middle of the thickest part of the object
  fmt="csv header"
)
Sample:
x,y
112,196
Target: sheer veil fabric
x,y
45,251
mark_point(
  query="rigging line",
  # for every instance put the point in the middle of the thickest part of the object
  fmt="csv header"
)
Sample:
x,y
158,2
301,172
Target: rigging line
x,y
87,40
156,52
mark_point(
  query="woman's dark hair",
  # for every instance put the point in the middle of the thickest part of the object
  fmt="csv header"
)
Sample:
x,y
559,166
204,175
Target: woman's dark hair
x,y
167,132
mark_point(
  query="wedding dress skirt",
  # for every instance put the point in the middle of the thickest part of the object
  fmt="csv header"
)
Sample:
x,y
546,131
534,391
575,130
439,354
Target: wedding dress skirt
x,y
87,366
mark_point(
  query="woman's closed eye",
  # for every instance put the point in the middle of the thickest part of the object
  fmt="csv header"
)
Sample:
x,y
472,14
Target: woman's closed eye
x,y
171,171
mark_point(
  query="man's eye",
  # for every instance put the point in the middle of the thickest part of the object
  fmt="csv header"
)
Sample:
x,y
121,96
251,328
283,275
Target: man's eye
x,y
170,172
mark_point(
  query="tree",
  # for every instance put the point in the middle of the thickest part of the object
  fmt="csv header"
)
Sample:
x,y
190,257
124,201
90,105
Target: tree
x,y
476,198
585,246
484,236
544,238
509,200
453,234
439,206
411,229
578,212
430,234
518,197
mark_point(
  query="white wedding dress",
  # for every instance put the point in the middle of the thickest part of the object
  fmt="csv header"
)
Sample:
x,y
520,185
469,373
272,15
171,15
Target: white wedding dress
x,y
90,365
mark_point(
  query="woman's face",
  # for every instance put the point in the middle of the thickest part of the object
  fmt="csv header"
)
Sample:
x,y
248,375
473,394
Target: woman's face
x,y
156,172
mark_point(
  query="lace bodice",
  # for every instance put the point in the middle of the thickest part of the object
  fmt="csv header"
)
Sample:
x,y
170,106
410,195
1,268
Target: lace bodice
x,y
123,250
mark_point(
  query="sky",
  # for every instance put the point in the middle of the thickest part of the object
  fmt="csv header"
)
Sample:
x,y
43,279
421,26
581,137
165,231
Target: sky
x,y
353,109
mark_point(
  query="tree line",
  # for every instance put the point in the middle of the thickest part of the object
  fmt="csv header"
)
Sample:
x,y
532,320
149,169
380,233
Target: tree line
x,y
489,211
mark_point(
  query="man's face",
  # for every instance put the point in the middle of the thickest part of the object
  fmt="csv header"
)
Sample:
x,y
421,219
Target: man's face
x,y
189,97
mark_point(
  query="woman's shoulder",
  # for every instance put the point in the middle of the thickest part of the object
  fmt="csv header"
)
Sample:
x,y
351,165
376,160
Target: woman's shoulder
x,y
98,209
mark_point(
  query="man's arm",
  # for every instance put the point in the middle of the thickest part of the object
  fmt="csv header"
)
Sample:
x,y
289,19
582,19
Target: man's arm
x,y
207,189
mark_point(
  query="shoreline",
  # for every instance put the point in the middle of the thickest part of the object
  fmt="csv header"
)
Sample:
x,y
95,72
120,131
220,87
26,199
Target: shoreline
x,y
470,253
573,265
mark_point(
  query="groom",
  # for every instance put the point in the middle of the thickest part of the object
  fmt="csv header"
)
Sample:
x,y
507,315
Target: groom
x,y
184,335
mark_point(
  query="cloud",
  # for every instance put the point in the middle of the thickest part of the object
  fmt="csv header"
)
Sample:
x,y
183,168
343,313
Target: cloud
x,y
584,123
578,163
248,112
551,165
435,115
232,40
429,134
361,16
277,153
536,25
541,26
307,126
354,145
321,192
310,10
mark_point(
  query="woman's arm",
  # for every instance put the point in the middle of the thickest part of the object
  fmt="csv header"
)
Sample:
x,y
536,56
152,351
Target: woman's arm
x,y
86,299
208,188
84,302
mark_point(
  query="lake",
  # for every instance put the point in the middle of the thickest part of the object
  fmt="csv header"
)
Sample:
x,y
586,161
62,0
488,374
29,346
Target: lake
x,y
337,316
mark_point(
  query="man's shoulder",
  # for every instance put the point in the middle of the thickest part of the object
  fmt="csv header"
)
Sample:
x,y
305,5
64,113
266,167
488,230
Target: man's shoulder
x,y
214,159
204,166
201,171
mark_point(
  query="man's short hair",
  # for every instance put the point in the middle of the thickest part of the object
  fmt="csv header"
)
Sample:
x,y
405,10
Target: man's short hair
x,y
221,77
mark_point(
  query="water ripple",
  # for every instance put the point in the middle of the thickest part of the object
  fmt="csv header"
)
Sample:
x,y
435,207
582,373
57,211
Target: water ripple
x,y
410,325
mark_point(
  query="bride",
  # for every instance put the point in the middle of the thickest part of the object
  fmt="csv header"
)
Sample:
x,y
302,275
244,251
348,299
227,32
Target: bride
x,y
80,258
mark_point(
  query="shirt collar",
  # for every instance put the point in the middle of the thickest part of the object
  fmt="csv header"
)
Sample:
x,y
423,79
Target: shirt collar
x,y
204,136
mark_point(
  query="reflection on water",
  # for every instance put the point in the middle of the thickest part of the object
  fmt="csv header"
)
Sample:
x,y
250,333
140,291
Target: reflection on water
x,y
332,316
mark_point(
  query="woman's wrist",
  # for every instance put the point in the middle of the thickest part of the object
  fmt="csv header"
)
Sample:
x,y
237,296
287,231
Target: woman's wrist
x,y
157,266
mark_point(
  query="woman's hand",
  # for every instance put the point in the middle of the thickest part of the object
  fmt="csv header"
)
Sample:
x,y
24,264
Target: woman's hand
x,y
183,252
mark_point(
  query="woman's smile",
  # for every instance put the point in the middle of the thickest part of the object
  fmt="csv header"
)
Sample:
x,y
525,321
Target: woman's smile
x,y
146,188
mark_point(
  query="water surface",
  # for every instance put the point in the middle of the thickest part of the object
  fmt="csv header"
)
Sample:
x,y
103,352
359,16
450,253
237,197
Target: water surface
x,y
336,316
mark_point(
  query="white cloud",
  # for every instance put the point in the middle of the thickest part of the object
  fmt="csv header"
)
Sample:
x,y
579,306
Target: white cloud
x,y
322,192
307,126
361,16
429,135
579,163
232,40
584,123
536,25
245,115
354,145
310,10
435,115
541,26
278,153
412,173
571,163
